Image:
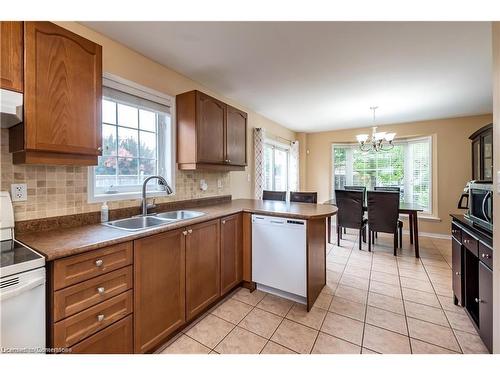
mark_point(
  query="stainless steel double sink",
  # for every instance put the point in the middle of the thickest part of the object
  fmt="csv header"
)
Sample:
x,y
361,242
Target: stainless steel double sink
x,y
154,220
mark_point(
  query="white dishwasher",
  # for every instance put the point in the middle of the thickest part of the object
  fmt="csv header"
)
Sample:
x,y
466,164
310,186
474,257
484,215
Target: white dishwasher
x,y
279,256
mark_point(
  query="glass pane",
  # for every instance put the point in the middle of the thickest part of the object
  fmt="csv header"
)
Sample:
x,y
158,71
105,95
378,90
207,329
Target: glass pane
x,y
109,144
108,112
106,166
127,116
147,168
280,169
128,167
147,120
148,145
268,168
128,142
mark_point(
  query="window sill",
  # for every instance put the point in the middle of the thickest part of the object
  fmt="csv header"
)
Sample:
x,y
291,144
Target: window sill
x,y
425,217
126,196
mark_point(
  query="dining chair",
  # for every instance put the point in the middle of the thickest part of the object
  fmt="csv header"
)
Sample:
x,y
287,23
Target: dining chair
x,y
356,188
350,213
303,197
383,214
270,195
395,189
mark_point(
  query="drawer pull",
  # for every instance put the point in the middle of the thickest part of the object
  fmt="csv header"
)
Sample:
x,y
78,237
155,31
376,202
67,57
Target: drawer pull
x,y
487,256
100,290
223,221
190,231
478,300
457,273
99,262
185,232
100,317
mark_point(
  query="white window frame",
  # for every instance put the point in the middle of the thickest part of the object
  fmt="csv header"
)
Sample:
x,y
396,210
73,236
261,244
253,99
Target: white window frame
x,y
130,87
285,147
433,205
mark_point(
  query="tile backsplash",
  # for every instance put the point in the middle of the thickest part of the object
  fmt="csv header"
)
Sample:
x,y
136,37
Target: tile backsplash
x,y
59,190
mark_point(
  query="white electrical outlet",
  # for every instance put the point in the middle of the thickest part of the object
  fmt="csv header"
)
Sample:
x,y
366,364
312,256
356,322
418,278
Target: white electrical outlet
x,y
219,183
18,192
203,185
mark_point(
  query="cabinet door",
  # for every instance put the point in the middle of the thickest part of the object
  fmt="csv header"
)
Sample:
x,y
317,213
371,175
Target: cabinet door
x,y
231,252
476,159
11,55
456,254
210,129
487,157
202,266
236,137
486,305
159,288
62,97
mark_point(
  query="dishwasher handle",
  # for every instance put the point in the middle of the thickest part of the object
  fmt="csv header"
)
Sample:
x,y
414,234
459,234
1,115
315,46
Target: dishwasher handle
x,y
22,288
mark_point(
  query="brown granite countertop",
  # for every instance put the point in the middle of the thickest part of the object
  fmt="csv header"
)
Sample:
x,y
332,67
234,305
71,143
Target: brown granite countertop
x,y
54,244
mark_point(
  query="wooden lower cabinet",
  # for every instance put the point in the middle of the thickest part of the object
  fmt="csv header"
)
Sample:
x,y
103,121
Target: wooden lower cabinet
x,y
231,272
159,288
486,305
202,266
115,339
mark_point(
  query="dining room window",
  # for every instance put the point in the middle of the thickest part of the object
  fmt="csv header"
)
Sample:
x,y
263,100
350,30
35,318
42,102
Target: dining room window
x,y
276,166
408,165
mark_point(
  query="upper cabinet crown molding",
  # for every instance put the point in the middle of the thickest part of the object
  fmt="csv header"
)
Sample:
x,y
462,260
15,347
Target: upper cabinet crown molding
x,y
62,98
210,133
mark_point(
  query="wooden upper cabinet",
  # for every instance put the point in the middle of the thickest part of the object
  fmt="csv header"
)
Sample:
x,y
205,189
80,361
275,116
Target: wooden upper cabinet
x,y
159,288
62,98
202,266
231,262
11,55
210,133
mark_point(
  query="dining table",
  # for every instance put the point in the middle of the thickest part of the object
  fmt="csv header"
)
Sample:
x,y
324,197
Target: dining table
x,y
405,208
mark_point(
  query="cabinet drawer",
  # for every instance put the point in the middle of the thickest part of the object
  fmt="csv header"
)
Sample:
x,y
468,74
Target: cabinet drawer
x,y
115,339
73,299
72,270
486,255
71,330
470,243
456,232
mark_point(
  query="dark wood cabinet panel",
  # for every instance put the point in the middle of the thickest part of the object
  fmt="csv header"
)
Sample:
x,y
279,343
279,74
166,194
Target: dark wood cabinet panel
x,y
159,288
456,255
231,252
211,115
236,136
482,153
202,266
11,55
486,305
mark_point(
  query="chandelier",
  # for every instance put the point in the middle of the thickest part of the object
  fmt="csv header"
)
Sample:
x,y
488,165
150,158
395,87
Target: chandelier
x,y
379,141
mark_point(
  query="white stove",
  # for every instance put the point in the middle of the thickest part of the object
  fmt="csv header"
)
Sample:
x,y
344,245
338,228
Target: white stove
x,y
22,290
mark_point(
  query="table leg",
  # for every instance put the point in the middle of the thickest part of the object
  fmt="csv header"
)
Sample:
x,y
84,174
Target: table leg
x,y
415,229
329,228
410,224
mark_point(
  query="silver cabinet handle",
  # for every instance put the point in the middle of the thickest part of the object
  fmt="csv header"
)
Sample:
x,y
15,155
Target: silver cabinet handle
x,y
100,290
478,300
185,232
457,273
99,149
99,262
223,221
487,256
100,317
190,231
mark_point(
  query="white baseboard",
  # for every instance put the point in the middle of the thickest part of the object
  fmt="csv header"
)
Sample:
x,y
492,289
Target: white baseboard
x,y
430,234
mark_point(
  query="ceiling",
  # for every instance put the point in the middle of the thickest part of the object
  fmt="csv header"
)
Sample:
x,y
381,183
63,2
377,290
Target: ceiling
x,y
316,76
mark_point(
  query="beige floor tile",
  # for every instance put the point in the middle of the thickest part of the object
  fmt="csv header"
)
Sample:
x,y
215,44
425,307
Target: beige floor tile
x,y
385,302
210,331
367,351
443,289
335,267
276,305
186,345
333,276
470,344
261,322
448,304
393,270
355,282
241,341
424,286
326,344
428,313
330,287
461,322
385,289
420,347
314,318
386,278
417,275
323,301
232,310
295,336
418,296
273,348
386,319
384,341
353,294
348,308
343,327
360,263
432,333
250,298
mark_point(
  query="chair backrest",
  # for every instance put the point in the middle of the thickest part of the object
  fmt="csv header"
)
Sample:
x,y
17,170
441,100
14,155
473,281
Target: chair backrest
x,y
350,208
357,188
383,211
396,189
269,195
304,197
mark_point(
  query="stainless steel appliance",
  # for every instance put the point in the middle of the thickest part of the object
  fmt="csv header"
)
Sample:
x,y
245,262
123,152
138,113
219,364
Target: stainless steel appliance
x,y
480,204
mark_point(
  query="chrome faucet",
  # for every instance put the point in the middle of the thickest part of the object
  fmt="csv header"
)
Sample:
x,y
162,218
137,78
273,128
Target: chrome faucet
x,y
163,183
